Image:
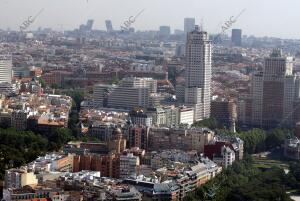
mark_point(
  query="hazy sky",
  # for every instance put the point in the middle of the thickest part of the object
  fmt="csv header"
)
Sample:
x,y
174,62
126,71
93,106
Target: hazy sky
x,y
279,18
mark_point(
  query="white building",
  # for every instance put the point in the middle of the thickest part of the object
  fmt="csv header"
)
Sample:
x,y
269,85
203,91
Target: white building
x,y
228,156
84,175
17,178
132,93
145,66
198,73
101,92
186,116
141,118
192,98
129,165
5,69
292,148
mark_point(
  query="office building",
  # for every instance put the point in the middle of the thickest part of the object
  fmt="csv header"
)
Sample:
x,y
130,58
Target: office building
x,y
189,25
180,93
179,138
278,88
224,111
186,116
129,166
17,178
297,130
5,69
136,90
101,92
89,25
108,165
86,27
236,37
164,30
101,130
198,73
109,27
274,93
158,116
138,137
180,50
141,118
19,119
173,116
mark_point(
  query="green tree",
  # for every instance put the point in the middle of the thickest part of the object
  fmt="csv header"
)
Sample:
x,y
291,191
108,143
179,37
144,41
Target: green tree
x,y
73,122
254,140
60,137
115,80
19,147
243,181
54,86
42,82
78,97
210,123
5,123
276,137
295,170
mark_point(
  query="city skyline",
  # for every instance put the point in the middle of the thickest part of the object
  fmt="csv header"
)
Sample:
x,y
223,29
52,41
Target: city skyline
x,y
254,21
149,100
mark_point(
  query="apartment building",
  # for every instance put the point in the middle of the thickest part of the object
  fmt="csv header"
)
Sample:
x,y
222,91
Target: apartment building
x,y
129,166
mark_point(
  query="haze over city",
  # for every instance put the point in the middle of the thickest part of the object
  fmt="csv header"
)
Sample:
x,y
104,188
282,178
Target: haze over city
x,y
149,100
261,18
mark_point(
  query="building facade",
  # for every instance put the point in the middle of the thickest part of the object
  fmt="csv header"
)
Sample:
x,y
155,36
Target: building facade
x,y
5,69
224,111
189,24
179,138
136,90
129,166
198,73
138,136
274,93
236,37
101,92
17,178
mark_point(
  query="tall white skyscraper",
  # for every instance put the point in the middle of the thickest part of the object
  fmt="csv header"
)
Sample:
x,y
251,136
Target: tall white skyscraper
x,y
189,25
198,73
5,69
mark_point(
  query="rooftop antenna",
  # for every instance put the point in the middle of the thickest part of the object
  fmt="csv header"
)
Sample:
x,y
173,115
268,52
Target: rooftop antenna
x,y
202,25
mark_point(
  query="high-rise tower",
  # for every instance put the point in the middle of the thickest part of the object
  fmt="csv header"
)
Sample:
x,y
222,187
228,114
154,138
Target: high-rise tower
x,y
109,26
236,37
89,25
189,25
198,73
274,92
